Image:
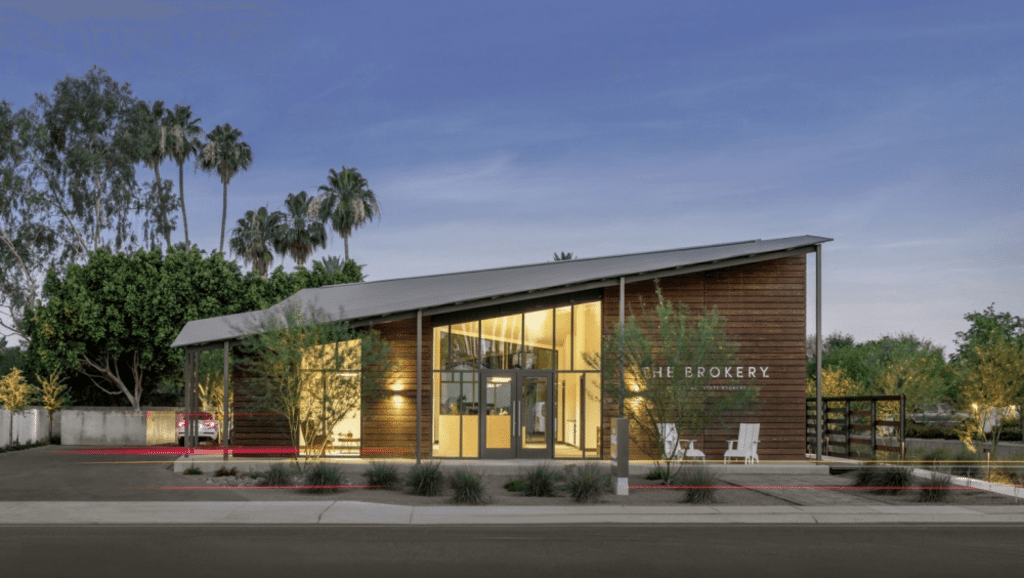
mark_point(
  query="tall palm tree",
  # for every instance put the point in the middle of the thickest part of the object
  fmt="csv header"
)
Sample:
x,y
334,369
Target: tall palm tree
x,y
253,238
183,134
153,150
347,202
303,231
225,154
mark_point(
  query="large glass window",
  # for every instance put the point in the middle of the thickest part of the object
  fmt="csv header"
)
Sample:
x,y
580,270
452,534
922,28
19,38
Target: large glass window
x,y
566,340
330,397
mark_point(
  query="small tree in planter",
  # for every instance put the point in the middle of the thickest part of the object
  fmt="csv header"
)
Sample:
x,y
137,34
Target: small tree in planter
x,y
53,394
664,366
992,384
315,374
15,395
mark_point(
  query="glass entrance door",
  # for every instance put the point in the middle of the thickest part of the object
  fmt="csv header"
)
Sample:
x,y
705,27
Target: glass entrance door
x,y
519,420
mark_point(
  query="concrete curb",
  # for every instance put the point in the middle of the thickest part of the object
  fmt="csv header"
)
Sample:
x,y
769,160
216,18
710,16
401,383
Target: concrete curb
x,y
363,513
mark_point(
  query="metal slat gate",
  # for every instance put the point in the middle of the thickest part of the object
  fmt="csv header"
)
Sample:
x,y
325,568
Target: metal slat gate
x,y
854,421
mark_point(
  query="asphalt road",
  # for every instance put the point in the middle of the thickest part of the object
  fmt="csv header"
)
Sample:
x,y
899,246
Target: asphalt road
x,y
517,551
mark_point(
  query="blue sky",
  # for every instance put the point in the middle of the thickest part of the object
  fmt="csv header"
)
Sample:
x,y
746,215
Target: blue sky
x,y
498,135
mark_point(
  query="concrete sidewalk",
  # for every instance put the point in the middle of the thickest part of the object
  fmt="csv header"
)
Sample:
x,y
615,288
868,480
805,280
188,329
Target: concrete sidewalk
x,y
361,513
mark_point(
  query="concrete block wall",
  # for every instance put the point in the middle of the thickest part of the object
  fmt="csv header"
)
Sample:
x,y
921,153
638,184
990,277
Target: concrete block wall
x,y
117,426
30,426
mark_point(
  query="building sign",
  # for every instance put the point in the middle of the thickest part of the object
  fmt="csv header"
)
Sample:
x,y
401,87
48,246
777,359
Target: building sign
x,y
714,372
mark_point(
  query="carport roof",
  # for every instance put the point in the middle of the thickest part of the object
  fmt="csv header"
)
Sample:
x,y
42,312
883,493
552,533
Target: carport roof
x,y
391,299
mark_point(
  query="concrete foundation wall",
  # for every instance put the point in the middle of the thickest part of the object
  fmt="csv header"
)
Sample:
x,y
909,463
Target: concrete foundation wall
x,y
117,426
1005,450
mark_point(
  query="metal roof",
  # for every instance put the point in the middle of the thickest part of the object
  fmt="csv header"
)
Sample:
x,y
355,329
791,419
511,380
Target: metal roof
x,y
387,300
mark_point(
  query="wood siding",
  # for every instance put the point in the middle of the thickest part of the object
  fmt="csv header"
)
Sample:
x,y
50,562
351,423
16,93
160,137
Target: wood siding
x,y
764,306
254,428
389,422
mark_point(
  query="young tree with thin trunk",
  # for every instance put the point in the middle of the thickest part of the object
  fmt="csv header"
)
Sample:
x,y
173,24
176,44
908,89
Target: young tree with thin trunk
x,y
663,363
992,384
15,395
314,373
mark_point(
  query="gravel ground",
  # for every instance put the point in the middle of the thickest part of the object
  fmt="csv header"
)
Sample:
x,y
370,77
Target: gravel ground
x,y
733,490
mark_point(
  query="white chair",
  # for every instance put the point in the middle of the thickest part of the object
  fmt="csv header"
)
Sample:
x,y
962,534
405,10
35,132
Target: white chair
x,y
674,446
746,446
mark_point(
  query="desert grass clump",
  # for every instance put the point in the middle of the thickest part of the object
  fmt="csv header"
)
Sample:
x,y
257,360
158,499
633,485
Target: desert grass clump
x,y
425,479
467,488
193,470
888,479
382,475
661,473
322,478
699,484
937,490
587,484
278,475
541,482
515,485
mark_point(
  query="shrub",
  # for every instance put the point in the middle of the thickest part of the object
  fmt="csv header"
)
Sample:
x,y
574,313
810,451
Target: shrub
x,y
322,478
661,472
515,485
937,489
588,483
193,471
425,479
382,475
277,475
467,487
887,479
541,482
700,484
224,471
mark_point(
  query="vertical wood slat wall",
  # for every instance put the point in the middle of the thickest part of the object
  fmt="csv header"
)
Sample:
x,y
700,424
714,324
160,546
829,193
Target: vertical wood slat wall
x,y
764,305
389,422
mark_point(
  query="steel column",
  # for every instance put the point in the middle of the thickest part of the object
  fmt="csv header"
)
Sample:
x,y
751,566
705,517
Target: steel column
x,y
817,337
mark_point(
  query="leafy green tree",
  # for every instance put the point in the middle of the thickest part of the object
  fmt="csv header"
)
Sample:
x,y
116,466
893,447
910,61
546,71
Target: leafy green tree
x,y
993,382
347,203
314,373
183,142
114,318
302,230
88,144
260,293
255,236
679,395
225,153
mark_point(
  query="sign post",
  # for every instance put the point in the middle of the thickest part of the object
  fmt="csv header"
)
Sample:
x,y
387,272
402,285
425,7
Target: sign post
x,y
620,455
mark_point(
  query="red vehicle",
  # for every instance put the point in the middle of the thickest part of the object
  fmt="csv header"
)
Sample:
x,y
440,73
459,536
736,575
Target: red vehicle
x,y
207,430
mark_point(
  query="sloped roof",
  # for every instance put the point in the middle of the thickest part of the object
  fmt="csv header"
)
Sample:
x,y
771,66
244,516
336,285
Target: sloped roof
x,y
399,298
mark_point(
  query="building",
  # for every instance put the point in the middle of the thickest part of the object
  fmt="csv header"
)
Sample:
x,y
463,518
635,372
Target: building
x,y
502,363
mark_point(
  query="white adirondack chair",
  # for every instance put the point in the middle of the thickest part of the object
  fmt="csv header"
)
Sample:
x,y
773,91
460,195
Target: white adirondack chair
x,y
746,446
674,446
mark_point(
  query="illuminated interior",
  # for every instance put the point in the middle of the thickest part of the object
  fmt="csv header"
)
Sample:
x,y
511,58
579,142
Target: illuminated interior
x,y
331,372
564,341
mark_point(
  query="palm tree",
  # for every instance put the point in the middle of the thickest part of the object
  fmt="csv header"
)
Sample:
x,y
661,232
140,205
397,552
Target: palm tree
x,y
303,231
563,256
331,264
347,202
183,133
226,154
153,150
254,237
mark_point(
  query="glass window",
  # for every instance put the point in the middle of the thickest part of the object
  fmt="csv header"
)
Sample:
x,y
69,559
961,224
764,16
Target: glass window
x,y
563,338
538,347
456,406
442,349
501,342
587,335
465,345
